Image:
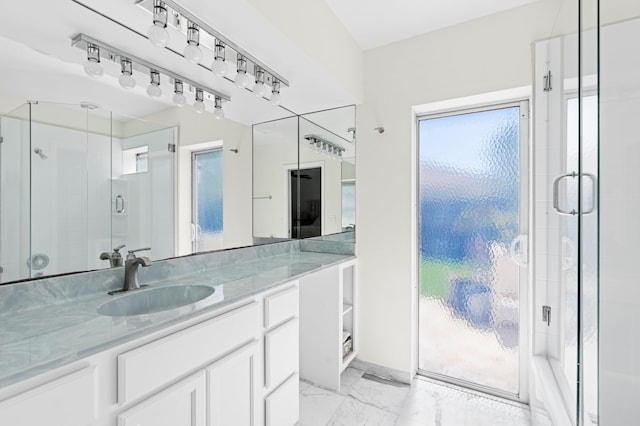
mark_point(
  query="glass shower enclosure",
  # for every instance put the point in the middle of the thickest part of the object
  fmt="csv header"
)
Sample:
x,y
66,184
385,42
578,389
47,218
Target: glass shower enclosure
x,y
68,192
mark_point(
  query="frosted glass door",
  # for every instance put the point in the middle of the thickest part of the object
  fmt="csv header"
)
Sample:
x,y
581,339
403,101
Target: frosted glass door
x,y
207,200
472,246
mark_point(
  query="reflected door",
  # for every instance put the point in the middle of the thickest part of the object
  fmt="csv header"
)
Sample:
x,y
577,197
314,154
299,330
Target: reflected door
x,y
207,197
472,247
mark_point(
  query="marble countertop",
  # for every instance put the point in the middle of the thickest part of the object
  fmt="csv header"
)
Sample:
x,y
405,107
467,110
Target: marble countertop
x,y
44,337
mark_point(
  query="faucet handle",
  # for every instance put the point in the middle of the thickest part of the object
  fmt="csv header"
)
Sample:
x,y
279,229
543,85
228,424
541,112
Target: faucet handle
x,y
132,255
117,249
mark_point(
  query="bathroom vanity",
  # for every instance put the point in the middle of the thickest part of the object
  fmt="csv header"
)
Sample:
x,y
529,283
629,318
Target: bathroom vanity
x,y
231,357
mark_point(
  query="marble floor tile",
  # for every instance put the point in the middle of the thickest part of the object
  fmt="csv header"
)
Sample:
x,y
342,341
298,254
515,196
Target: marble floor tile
x,y
317,405
368,400
348,378
380,393
355,413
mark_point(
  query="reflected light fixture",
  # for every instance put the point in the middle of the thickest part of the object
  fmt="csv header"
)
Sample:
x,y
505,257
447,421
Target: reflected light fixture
x,y
324,147
219,66
178,89
218,111
192,51
199,103
158,33
242,79
259,89
153,89
275,93
126,80
92,67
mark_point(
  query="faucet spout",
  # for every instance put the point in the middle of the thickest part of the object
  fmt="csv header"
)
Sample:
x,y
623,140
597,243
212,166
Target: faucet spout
x,y
131,272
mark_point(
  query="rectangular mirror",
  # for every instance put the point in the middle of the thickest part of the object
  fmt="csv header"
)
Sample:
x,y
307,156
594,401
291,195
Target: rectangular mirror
x,y
304,177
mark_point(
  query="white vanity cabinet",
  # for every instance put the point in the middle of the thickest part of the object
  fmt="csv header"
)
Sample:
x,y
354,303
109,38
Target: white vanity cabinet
x,y
237,366
65,400
328,323
183,404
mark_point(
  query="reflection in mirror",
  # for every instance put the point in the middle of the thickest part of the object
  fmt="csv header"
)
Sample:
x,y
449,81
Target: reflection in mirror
x,y
304,176
78,182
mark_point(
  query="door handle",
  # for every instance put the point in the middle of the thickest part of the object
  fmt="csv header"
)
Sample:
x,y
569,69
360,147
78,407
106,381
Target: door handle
x,y
556,194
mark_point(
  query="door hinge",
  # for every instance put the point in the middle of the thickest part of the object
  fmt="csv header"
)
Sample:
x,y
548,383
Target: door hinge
x,y
546,314
547,87
171,147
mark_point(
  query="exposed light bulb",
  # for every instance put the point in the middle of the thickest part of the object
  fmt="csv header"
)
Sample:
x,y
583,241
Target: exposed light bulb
x,y
179,99
275,93
217,110
92,67
192,53
127,81
259,89
220,67
153,89
157,32
241,80
198,105
158,35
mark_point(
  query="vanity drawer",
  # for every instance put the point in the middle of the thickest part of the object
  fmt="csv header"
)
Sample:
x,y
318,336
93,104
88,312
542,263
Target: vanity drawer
x,y
282,406
159,363
280,306
281,353
67,401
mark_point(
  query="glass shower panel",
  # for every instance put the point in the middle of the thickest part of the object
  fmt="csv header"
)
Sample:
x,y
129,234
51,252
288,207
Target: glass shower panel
x,y
470,248
143,202
15,202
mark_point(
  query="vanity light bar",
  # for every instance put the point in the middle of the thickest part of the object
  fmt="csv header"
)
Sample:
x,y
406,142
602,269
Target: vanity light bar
x,y
180,10
106,51
324,145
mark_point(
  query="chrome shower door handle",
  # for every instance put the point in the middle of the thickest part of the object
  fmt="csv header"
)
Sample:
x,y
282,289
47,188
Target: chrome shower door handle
x,y
120,204
556,194
594,193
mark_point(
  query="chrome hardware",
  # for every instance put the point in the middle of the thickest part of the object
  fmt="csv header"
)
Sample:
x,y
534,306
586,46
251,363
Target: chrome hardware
x,y
547,87
556,194
120,204
131,265
114,258
546,314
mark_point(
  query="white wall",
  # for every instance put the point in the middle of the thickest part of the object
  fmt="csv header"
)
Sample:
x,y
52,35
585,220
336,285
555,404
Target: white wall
x,y
481,56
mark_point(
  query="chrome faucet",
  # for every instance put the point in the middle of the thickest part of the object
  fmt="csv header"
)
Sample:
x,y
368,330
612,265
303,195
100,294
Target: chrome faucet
x,y
131,265
114,258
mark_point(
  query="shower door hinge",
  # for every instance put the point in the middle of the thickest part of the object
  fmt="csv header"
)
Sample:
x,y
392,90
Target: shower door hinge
x,y
547,87
172,147
546,314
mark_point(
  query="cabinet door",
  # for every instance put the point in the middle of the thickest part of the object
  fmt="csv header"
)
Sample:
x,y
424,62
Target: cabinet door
x,y
183,404
282,405
232,388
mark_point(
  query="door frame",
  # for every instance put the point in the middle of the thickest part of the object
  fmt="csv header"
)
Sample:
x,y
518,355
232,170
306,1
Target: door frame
x,y
194,193
526,191
287,190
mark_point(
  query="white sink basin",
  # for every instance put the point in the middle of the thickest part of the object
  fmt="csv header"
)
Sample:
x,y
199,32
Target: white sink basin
x,y
150,300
